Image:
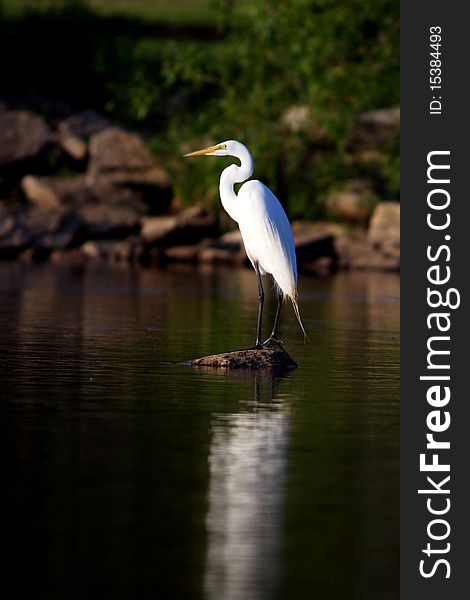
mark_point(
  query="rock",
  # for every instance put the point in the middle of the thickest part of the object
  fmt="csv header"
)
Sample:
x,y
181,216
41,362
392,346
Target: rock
x,y
101,221
221,256
355,251
74,147
94,203
7,223
73,256
83,125
68,192
193,212
39,193
14,238
231,240
155,229
384,228
90,250
76,192
66,231
120,159
74,132
187,228
314,240
111,250
128,249
115,150
182,254
321,266
23,135
275,359
99,249
11,245
353,204
155,176
151,188
385,117
375,129
39,230
71,192
228,249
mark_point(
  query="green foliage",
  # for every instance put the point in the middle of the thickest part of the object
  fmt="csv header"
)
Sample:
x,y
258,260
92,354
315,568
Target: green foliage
x,y
337,59
328,59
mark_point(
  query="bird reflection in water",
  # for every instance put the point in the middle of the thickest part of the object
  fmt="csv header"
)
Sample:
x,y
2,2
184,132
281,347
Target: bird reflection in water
x,y
248,465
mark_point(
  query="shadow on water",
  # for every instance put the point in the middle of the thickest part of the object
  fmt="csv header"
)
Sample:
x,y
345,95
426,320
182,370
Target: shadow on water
x,y
127,474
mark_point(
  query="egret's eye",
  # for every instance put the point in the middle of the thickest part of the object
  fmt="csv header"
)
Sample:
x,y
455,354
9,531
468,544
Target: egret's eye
x,y
223,146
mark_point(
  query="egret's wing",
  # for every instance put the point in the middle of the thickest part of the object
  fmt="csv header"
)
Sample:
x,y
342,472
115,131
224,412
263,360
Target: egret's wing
x,y
267,234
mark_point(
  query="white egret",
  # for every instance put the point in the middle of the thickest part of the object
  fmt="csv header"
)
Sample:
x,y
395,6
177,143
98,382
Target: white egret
x,y
264,226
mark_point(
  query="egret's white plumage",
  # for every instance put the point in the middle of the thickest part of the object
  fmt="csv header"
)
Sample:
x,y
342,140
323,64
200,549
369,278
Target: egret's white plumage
x,y
264,226
267,235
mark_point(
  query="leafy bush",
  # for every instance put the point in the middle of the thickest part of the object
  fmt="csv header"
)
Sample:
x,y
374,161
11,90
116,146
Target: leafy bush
x,y
320,61
335,58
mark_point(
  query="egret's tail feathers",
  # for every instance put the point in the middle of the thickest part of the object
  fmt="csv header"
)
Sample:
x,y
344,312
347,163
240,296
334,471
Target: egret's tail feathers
x,y
295,304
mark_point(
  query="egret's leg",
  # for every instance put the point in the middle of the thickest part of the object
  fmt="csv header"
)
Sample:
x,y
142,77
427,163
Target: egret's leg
x,y
280,298
260,305
272,337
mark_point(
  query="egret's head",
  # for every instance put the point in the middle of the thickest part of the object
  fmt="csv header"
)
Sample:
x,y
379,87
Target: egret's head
x,y
228,148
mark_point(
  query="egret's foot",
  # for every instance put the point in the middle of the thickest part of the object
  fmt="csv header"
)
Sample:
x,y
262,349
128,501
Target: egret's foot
x,y
273,340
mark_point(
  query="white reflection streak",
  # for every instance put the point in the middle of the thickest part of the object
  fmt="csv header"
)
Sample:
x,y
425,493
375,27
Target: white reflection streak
x,y
248,460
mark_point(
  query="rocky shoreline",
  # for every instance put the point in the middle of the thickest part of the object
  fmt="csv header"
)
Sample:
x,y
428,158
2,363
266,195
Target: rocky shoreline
x,y
81,188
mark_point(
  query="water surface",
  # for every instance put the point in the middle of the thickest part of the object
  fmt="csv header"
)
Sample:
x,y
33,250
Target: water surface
x,y
127,475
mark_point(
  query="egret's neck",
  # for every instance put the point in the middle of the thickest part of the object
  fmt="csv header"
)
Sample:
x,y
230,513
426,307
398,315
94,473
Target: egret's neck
x,y
235,174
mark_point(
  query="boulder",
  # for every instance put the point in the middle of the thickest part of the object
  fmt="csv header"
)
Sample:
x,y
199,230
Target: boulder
x,y
121,160
216,255
68,192
91,249
355,251
102,221
384,228
39,193
23,135
39,230
314,240
231,240
75,147
93,202
83,125
74,132
185,229
154,230
114,150
65,231
228,249
151,188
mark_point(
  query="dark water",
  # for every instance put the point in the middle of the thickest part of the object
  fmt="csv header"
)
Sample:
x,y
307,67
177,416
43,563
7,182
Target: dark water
x,y
126,475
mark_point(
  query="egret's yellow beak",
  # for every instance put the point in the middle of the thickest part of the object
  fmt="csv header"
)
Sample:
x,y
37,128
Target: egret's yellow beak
x,y
209,150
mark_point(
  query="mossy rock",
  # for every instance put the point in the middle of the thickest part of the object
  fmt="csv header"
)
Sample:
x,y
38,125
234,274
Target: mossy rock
x,y
275,359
